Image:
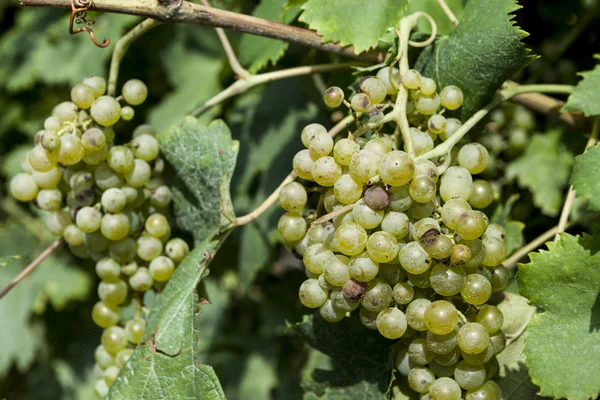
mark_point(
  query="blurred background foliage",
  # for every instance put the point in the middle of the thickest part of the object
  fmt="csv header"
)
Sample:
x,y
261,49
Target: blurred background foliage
x,y
47,338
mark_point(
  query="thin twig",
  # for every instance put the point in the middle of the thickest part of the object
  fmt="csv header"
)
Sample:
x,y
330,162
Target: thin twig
x,y
121,49
188,12
33,265
448,12
550,107
333,214
234,63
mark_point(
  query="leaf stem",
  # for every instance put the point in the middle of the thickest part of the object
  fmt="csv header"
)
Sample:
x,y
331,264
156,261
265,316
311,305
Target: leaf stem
x,y
121,49
541,88
32,266
333,214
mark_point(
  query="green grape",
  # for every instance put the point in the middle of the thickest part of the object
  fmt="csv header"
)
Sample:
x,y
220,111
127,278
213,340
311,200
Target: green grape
x,y
340,302
422,141
149,247
384,75
451,97
93,139
325,171
441,317
329,200
469,376
456,183
57,221
293,197
110,374
479,358
95,241
157,225
106,178
445,389
498,341
477,289
139,175
113,200
402,361
71,150
363,268
382,247
400,200
422,189
411,79
120,159
427,168
65,111
473,157
374,88
161,196
391,323
96,157
73,235
437,124
461,254
396,168
403,293
141,280
320,145
330,313
439,247
427,86
477,252
127,113
491,318
42,160
44,180
334,96
441,371
427,105
100,388
452,125
315,256
83,95
377,198
420,379
122,357
112,294
396,223
489,391
471,224
523,118
309,131
292,226
350,239
425,228
161,268
500,277
364,165
103,358
50,141
336,270
368,318
105,315
114,339
418,352
447,280
134,92
495,231
495,252
135,329
473,338
115,226
365,216
177,249
97,83
52,124
360,102
144,129
482,194
391,273
414,259
108,270
123,250
415,314
442,344
379,146
105,110
88,219
347,190
343,151
378,295
23,187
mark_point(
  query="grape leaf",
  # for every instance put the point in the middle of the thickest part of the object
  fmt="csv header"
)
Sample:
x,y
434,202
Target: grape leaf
x,y
513,377
565,282
544,169
585,94
360,359
514,235
585,177
353,22
482,51
257,52
204,158
166,364
517,313
259,378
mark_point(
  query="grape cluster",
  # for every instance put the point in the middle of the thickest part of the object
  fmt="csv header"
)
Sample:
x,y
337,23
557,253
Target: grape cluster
x,y
109,204
406,247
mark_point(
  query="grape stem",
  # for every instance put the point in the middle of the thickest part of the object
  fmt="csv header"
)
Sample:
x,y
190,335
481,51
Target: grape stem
x,y
32,266
333,214
448,12
566,210
121,49
273,197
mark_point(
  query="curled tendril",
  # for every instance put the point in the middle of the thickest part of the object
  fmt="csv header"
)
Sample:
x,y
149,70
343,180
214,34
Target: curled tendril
x,y
79,15
433,31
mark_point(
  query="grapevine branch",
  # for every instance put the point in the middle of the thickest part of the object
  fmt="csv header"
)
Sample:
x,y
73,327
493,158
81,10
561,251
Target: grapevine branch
x,y
187,12
550,107
33,265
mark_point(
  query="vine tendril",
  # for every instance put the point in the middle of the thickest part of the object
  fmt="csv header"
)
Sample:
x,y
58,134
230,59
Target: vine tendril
x,y
79,15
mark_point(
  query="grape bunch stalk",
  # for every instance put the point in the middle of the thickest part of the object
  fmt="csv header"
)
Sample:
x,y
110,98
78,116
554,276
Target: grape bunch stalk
x,y
109,203
400,239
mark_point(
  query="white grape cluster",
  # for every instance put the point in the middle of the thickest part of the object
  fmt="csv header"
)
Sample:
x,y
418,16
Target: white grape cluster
x,y
109,204
408,248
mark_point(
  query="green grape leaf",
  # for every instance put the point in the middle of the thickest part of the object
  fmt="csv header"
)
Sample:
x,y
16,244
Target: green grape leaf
x,y
259,378
585,176
513,377
166,364
431,7
565,283
352,22
359,366
514,235
585,94
204,158
258,52
517,313
4,260
544,169
482,51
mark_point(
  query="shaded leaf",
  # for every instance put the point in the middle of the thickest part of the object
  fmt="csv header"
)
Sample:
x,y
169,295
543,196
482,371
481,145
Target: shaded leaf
x,y
513,377
259,378
514,236
585,176
565,282
585,95
359,23
517,314
544,169
480,53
